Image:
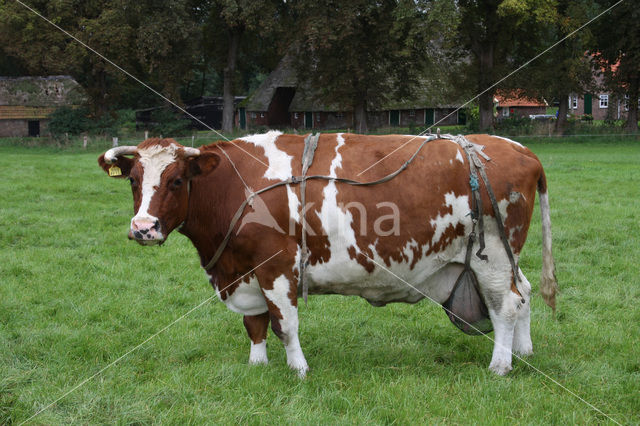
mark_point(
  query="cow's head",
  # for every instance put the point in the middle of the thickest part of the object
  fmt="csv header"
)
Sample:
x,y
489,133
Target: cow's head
x,y
160,171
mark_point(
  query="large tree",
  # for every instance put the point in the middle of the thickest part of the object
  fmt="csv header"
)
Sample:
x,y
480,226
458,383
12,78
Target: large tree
x,y
565,69
617,50
234,30
153,40
496,33
357,53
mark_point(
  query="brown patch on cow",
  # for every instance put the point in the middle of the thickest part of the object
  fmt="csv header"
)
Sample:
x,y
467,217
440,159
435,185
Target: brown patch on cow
x,y
514,289
257,326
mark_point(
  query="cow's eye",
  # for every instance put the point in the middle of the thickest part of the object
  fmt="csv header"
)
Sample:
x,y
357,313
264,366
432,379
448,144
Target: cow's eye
x,y
132,181
177,182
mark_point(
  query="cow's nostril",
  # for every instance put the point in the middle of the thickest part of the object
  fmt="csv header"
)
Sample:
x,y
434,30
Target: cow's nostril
x,y
137,234
144,231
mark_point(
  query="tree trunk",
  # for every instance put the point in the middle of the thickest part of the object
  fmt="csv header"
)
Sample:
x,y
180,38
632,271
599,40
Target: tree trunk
x,y
485,101
632,114
361,116
228,108
563,110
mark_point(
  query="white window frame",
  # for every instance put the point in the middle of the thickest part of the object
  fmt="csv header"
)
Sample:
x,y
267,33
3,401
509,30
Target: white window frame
x,y
505,111
626,102
604,101
574,102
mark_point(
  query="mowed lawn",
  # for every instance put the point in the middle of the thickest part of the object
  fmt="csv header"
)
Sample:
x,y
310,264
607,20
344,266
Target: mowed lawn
x,y
75,295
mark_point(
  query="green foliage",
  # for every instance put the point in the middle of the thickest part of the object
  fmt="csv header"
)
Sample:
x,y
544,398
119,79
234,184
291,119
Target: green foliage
x,y
72,121
76,295
359,54
168,123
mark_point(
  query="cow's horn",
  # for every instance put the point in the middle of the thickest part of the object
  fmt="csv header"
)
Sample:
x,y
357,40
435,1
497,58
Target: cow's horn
x,y
111,155
191,152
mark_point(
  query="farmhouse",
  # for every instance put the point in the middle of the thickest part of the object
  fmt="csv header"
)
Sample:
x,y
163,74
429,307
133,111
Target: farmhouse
x,y
514,103
281,101
26,102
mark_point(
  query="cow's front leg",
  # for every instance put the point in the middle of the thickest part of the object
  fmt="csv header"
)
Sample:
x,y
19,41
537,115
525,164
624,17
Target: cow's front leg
x,y
282,301
257,326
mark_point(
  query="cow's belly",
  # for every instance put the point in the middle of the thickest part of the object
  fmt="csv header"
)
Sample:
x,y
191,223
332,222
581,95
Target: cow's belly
x,y
431,278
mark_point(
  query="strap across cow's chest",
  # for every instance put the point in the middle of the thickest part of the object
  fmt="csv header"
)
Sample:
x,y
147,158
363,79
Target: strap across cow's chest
x,y
310,145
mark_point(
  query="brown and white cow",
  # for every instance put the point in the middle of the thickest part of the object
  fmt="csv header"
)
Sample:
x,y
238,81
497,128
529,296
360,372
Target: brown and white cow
x,y
361,239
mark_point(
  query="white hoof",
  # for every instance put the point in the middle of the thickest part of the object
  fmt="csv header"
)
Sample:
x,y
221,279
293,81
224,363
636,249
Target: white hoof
x,y
301,369
523,350
501,368
258,354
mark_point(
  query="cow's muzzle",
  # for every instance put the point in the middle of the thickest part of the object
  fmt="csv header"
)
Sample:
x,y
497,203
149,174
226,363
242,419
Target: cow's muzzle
x,y
146,232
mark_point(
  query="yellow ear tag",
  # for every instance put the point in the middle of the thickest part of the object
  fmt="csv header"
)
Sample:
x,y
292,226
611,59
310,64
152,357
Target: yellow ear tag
x,y
115,171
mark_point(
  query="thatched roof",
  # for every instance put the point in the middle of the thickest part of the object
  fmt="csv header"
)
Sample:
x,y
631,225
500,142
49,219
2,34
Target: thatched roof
x,y
283,76
52,91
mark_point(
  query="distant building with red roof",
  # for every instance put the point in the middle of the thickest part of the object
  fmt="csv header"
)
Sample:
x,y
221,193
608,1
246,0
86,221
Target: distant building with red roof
x,y
514,103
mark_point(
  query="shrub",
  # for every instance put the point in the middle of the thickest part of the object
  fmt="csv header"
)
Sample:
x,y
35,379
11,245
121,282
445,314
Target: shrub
x,y
73,121
515,125
169,123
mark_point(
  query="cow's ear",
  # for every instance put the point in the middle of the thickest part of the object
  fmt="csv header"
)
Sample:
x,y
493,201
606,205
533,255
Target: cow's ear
x,y
203,163
120,168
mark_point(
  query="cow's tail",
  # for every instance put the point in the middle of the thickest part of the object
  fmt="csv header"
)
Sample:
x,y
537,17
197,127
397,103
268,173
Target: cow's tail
x,y
548,282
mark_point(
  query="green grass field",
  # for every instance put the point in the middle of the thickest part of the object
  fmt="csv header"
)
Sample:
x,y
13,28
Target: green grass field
x,y
75,295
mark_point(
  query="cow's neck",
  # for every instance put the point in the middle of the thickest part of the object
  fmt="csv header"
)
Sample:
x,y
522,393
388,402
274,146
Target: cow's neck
x,y
213,200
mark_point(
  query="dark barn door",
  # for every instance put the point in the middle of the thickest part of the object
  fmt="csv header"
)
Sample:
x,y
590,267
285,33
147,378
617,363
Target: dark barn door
x,y
429,116
34,128
279,107
394,118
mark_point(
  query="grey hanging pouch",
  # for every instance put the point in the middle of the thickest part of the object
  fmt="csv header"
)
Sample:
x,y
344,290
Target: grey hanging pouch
x,y
465,307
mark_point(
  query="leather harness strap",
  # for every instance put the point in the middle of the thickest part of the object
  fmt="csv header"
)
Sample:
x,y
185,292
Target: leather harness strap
x,y
310,145
477,167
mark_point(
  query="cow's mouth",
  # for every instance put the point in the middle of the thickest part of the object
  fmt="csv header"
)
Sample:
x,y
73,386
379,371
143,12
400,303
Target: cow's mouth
x,y
146,239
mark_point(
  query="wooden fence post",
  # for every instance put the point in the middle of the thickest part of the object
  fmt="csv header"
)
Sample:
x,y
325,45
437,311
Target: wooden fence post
x,y
115,141
85,139
146,135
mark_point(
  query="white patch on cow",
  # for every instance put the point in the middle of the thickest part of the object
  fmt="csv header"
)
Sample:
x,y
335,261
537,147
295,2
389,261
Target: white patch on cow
x,y
509,140
246,299
279,296
294,204
154,161
337,160
258,353
336,224
459,209
278,160
459,156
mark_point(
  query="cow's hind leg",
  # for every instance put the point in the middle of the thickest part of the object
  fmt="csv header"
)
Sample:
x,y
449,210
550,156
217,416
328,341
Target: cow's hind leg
x,y
504,308
257,326
522,334
283,312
